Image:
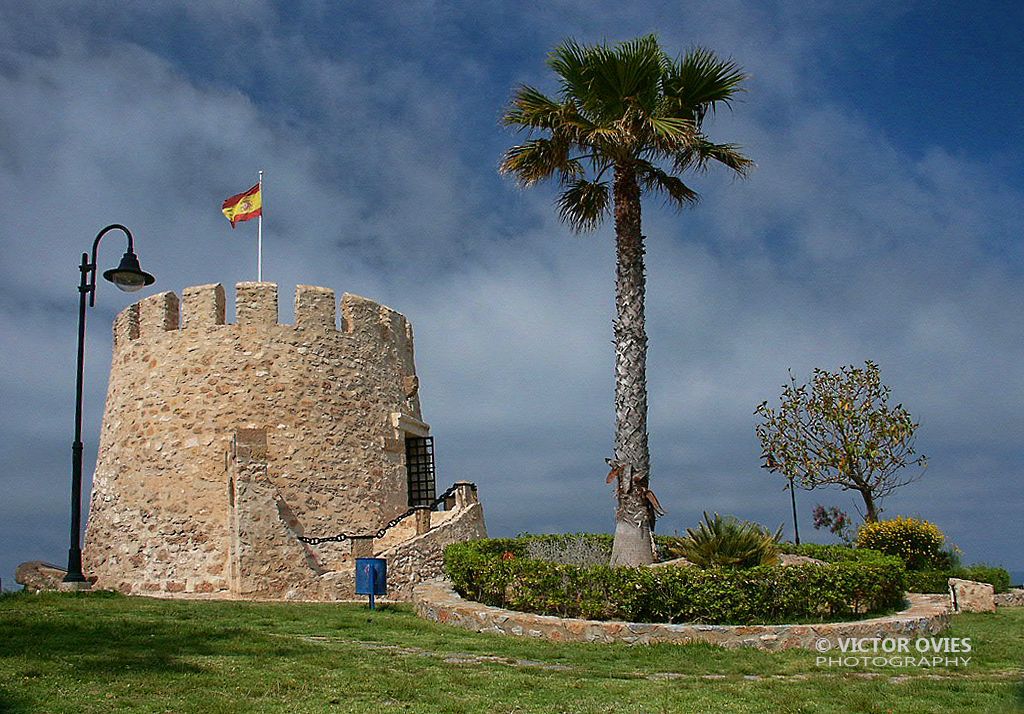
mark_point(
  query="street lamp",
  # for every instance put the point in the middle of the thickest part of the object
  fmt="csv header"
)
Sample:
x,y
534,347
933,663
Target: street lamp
x,y
129,277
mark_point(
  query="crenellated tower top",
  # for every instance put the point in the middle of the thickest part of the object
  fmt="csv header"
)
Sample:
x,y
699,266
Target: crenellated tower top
x,y
202,308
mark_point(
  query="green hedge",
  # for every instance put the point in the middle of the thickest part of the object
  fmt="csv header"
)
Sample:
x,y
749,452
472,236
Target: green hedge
x,y
834,553
937,581
496,572
928,580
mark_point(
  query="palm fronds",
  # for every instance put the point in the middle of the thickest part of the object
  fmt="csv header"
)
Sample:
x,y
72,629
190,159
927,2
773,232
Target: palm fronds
x,y
672,187
584,204
699,154
624,106
728,542
532,108
537,160
699,81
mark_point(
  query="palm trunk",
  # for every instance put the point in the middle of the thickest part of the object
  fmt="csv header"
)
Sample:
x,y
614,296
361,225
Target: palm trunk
x,y
633,519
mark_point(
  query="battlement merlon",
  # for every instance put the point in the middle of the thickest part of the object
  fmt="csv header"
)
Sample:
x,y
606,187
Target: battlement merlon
x,y
203,306
315,308
126,326
256,307
158,314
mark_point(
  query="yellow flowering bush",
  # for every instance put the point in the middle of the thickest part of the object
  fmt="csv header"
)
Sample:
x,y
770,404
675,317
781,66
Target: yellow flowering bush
x,y
917,542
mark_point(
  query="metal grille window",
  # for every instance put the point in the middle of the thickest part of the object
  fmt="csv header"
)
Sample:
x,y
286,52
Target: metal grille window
x,y
419,464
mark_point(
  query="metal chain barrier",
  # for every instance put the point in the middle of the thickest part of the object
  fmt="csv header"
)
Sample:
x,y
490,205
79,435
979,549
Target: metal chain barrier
x,y
341,537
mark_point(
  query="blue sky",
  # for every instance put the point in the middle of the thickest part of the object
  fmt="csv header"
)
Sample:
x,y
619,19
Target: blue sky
x,y
883,222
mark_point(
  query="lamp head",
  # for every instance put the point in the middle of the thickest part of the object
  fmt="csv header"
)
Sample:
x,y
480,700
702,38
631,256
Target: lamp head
x,y
129,276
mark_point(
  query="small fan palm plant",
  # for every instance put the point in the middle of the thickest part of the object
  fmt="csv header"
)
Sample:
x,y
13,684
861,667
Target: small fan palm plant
x,y
728,542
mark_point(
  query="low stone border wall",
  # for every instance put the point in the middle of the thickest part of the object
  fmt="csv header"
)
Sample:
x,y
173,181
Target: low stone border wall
x,y
1013,598
436,600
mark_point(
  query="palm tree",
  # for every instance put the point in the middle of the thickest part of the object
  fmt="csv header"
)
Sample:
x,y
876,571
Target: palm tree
x,y
623,113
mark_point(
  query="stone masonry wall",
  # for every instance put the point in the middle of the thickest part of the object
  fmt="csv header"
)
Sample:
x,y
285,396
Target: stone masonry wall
x,y
1013,598
436,600
421,558
332,404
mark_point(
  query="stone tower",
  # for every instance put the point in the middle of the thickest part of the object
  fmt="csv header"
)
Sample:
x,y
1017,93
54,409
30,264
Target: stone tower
x,y
223,443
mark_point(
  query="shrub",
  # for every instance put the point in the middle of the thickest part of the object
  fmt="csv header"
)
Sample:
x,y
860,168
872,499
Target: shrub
x,y
834,553
936,581
948,559
999,578
571,548
499,572
918,543
727,542
929,580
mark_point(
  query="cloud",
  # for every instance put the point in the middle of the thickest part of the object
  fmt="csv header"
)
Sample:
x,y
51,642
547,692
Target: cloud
x,y
380,154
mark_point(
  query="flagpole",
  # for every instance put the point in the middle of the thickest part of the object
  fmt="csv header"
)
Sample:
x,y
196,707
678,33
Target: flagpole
x,y
259,234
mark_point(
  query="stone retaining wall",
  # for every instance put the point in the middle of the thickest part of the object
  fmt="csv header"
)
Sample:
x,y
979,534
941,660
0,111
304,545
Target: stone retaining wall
x,y
1013,598
422,557
436,600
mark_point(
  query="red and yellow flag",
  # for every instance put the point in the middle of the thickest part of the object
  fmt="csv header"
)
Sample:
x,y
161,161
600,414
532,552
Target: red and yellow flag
x,y
243,206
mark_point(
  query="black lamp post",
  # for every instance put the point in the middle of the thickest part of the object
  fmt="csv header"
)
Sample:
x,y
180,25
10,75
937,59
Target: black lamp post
x,y
129,277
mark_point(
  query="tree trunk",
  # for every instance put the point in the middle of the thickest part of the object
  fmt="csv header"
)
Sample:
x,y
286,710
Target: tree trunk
x,y
871,510
792,498
633,516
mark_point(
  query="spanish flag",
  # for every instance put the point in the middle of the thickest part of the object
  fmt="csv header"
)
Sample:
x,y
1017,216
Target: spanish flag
x,y
243,206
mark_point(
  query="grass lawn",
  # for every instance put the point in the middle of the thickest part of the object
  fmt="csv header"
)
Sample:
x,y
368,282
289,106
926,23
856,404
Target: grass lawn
x,y
100,653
